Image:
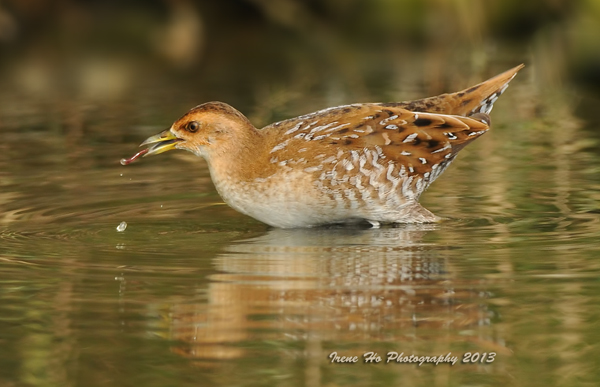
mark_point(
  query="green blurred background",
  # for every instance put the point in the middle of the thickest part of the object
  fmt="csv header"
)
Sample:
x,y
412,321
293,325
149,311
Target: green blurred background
x,y
185,295
262,56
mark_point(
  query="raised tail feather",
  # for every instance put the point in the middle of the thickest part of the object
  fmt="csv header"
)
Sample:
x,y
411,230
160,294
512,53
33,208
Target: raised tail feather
x,y
474,100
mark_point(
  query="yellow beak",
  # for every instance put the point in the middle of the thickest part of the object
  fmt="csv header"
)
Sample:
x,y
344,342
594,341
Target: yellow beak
x,y
164,141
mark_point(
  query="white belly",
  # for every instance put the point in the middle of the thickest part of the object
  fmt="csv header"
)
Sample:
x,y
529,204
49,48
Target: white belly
x,y
297,201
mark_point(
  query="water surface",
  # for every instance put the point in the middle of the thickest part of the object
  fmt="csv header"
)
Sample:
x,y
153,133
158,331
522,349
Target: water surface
x,y
194,293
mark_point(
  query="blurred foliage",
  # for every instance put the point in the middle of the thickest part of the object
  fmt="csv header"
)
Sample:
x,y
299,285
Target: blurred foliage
x,y
269,58
191,35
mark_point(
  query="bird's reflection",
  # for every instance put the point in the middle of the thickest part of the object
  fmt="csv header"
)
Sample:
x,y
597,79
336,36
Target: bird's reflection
x,y
342,285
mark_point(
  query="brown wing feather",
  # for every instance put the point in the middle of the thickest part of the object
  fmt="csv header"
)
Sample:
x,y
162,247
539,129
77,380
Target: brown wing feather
x,y
412,144
383,148
465,102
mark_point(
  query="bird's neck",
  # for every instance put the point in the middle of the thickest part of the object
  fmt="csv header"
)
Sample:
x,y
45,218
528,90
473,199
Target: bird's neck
x,y
240,157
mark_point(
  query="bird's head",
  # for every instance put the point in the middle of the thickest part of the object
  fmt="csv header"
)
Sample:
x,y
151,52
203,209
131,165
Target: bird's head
x,y
205,130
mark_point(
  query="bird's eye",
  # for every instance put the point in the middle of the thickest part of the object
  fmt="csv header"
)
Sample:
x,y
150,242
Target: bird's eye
x,y
192,126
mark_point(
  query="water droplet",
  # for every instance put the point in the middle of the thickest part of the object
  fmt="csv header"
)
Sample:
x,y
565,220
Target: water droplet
x,y
121,227
124,161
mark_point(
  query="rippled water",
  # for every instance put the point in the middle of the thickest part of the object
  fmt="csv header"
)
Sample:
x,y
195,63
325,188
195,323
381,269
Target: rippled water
x,y
193,293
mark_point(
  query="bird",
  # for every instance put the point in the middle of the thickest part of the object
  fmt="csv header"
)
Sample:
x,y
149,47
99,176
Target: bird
x,y
360,163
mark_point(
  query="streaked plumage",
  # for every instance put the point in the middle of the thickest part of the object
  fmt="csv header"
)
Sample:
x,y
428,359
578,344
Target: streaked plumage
x,y
361,162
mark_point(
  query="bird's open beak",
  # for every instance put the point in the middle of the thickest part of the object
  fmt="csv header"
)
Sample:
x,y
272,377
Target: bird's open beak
x,y
161,142
164,141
